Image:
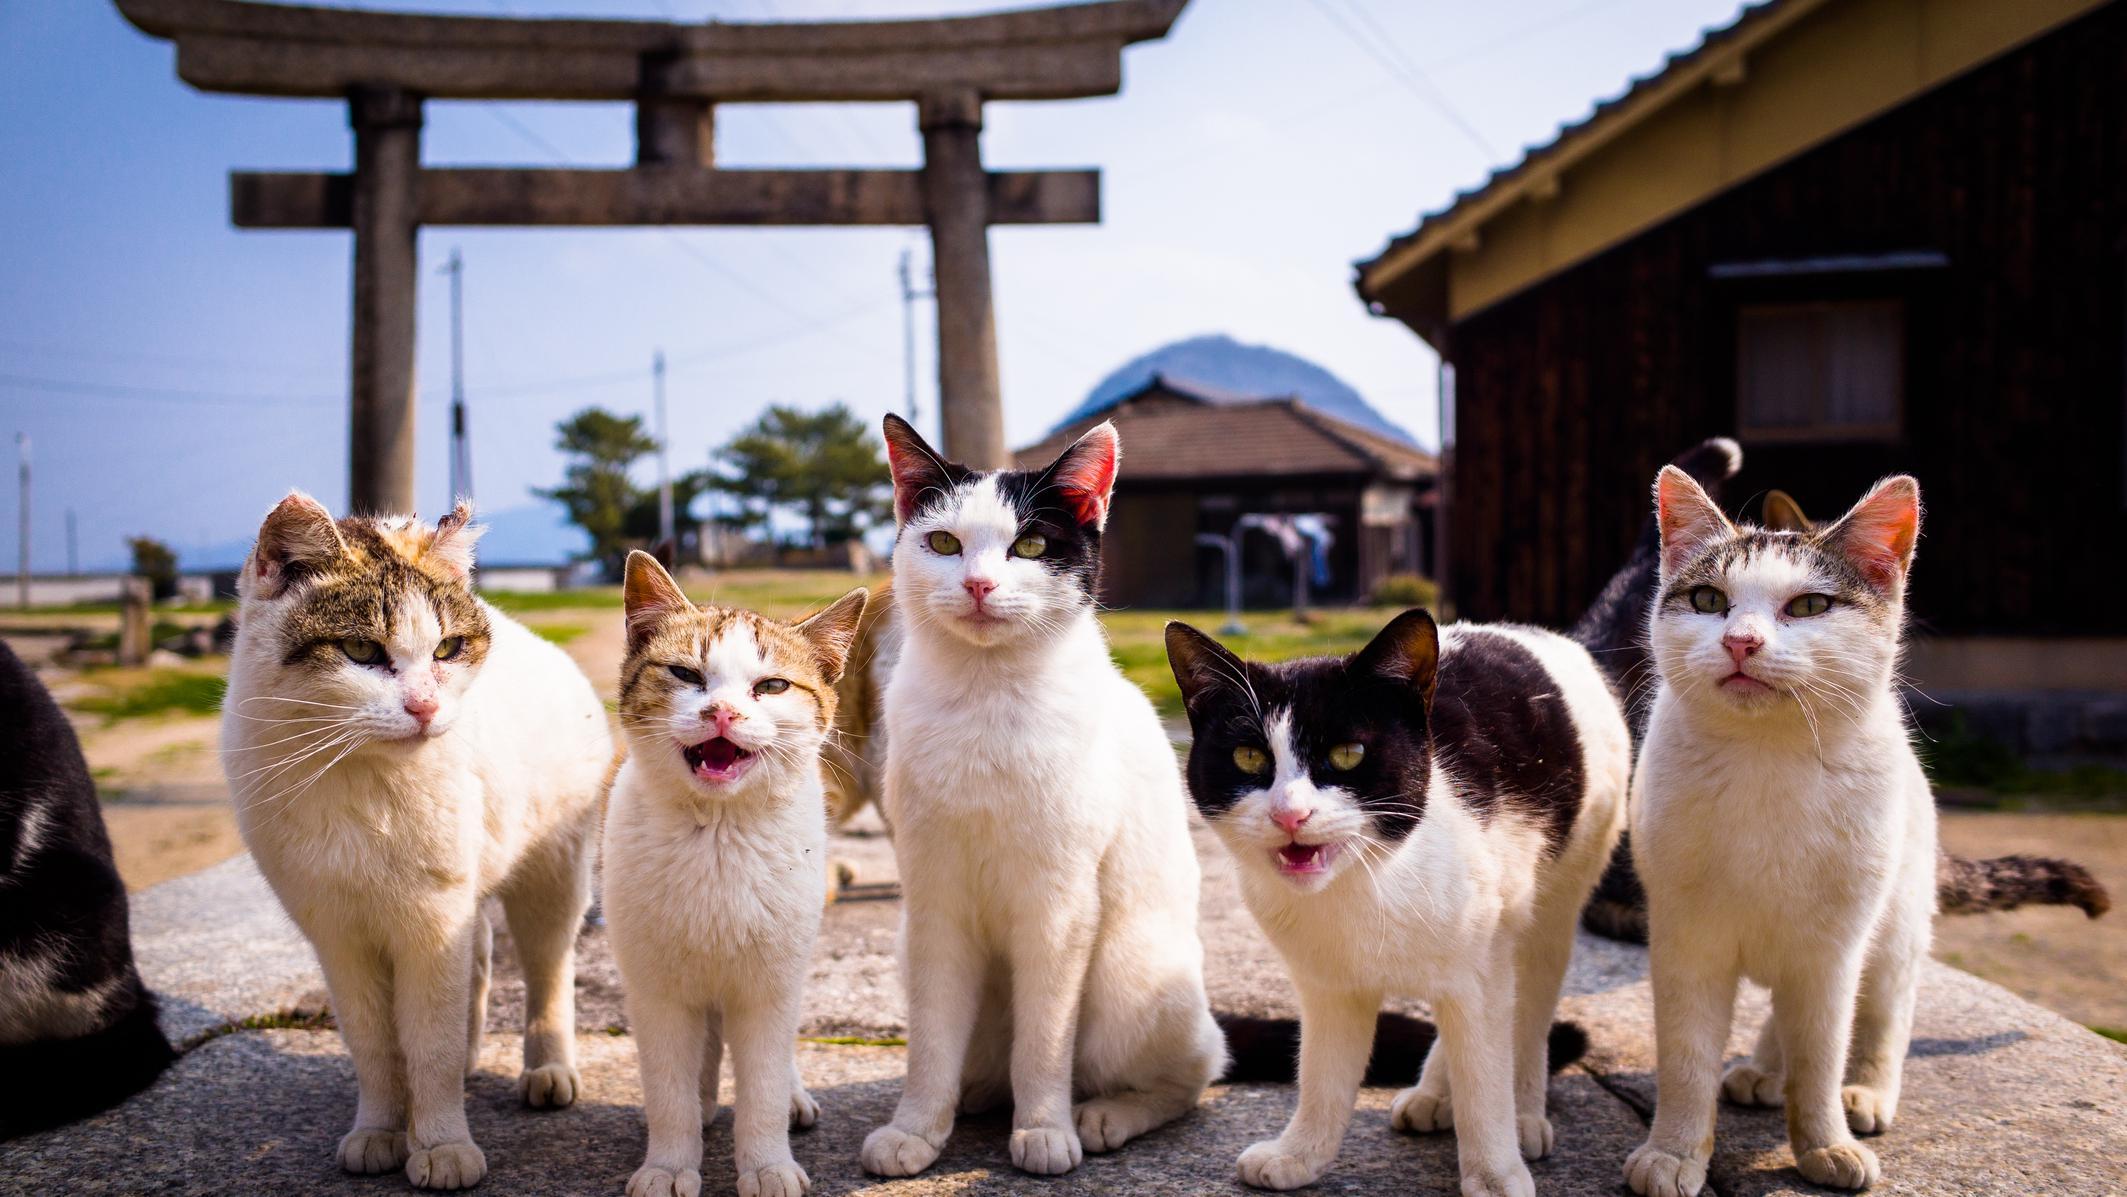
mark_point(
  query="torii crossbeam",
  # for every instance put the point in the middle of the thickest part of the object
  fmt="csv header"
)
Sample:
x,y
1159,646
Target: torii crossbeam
x,y
384,64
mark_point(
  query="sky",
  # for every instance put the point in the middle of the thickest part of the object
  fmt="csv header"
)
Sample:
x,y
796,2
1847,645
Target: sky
x,y
176,376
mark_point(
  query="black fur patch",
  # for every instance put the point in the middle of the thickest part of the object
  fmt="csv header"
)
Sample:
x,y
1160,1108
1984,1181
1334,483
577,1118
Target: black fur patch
x,y
1267,1050
61,899
1497,723
1073,548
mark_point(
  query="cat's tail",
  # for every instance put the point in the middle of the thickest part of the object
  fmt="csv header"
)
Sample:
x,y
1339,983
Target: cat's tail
x,y
1967,886
1267,1050
68,1079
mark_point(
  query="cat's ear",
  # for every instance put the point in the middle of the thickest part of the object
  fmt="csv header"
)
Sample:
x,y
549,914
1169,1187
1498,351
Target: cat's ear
x,y
452,545
649,595
834,631
1878,535
1406,652
917,468
1782,514
1202,666
1086,473
298,537
1689,520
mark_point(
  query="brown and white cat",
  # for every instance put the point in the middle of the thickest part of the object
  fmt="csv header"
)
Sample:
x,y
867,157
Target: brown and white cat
x,y
715,840
400,751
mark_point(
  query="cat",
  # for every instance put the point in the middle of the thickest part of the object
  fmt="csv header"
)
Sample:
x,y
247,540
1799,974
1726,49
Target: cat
x,y
716,830
854,758
1422,817
1614,629
399,751
1783,828
1051,953
74,1014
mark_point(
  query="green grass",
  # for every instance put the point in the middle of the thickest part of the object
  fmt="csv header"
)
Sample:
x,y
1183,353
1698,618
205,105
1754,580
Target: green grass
x,y
1138,641
778,592
559,633
2116,1034
854,1040
1962,757
588,598
154,692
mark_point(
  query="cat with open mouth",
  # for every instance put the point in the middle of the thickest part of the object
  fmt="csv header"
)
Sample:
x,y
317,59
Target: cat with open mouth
x,y
1422,818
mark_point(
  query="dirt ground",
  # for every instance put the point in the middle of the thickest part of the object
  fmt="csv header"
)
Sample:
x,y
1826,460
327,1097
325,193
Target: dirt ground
x,y
2053,956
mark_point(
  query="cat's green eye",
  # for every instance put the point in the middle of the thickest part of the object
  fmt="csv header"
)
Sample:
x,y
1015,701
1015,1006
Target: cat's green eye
x,y
770,685
684,674
449,647
363,652
1033,544
1251,760
1346,757
1708,600
1802,606
945,544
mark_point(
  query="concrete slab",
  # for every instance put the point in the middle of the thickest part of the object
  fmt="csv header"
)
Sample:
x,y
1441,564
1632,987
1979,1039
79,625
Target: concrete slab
x,y
258,1112
217,948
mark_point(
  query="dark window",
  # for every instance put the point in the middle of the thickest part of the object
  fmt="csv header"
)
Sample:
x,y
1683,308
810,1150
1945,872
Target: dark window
x,y
1820,371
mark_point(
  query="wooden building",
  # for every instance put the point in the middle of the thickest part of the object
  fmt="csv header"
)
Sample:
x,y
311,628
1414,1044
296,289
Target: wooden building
x,y
1861,236
1196,459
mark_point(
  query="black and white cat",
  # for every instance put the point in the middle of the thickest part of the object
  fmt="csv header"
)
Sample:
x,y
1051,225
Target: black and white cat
x,y
77,1027
1424,817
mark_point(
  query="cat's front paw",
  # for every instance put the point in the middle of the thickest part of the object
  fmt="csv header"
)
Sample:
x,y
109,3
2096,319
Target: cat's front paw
x,y
891,1151
1537,1137
1514,1182
1746,1084
1106,1123
1046,1150
804,1110
1868,1111
776,1180
651,1181
1840,1166
1652,1172
1419,1112
549,1086
368,1151
446,1166
1269,1165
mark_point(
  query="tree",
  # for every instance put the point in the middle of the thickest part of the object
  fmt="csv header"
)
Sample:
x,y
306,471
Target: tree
x,y
157,562
823,467
595,487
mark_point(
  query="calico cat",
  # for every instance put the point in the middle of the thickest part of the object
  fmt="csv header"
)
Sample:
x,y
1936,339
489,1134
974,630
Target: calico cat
x,y
1423,817
715,835
399,751
73,1012
1615,630
1050,945
1783,828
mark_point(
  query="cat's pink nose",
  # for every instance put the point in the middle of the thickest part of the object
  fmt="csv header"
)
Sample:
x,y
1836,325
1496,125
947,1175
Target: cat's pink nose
x,y
421,707
980,588
723,716
1290,818
1742,645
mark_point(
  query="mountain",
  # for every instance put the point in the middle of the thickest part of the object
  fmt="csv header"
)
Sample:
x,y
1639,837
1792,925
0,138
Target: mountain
x,y
1220,361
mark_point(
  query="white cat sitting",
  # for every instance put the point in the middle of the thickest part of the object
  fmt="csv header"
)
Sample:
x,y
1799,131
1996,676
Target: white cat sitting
x,y
714,872
399,751
1051,950
1783,829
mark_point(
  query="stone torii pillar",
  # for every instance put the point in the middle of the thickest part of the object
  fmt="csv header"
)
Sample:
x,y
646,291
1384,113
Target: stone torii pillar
x,y
385,64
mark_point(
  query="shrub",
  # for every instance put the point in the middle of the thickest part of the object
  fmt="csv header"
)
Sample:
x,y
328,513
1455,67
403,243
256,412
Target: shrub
x,y
1405,590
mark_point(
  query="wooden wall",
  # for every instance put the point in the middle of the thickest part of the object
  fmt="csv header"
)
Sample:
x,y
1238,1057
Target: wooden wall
x,y
1570,395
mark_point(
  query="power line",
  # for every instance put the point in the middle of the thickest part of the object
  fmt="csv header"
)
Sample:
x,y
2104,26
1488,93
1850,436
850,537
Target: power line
x,y
1401,69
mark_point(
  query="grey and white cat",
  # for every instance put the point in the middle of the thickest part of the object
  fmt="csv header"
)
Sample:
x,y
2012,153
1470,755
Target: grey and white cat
x,y
1783,829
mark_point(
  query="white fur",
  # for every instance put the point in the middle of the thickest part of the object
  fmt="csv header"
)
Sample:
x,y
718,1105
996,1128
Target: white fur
x,y
1051,949
382,846
1470,917
1787,836
712,897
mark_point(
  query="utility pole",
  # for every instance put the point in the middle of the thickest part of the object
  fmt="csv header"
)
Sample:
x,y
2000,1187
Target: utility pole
x,y
461,447
909,296
22,570
665,532
73,556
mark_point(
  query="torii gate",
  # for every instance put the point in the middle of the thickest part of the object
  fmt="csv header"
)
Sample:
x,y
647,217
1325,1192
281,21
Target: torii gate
x,y
384,64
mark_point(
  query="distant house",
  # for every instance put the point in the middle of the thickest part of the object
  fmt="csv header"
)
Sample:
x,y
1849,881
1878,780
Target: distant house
x,y
1196,459
1861,236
